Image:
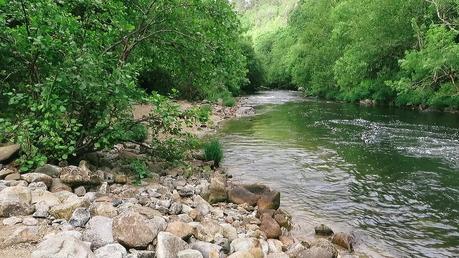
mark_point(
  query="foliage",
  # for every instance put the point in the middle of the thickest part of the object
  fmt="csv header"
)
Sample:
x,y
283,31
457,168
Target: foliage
x,y
213,152
389,51
137,133
140,169
70,69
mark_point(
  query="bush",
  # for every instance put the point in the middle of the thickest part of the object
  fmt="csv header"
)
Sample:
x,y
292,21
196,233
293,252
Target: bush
x,y
137,133
213,152
139,168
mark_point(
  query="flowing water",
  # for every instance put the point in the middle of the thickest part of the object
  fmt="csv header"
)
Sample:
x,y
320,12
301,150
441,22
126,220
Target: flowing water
x,y
390,176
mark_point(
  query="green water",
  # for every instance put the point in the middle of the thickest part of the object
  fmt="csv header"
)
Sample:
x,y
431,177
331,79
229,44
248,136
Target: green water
x,y
387,175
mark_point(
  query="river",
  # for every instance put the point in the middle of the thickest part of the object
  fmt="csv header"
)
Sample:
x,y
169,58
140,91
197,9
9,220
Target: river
x,y
389,176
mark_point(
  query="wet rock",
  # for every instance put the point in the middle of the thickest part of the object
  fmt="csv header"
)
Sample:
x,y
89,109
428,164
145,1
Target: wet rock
x,y
81,175
104,209
99,231
133,230
79,217
323,230
15,201
296,250
344,240
189,253
80,191
217,189
37,177
239,195
50,170
58,186
269,200
68,205
8,151
283,219
62,245
169,246
207,250
270,227
180,229
111,251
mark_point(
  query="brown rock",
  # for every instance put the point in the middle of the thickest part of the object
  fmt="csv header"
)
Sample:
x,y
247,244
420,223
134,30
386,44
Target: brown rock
x,y
66,208
104,209
133,230
270,227
4,172
121,179
343,240
8,151
217,189
269,200
15,201
240,195
283,218
14,176
180,229
37,177
268,212
81,175
58,186
323,230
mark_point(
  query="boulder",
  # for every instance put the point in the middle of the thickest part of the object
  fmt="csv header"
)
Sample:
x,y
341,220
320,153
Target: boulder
x,y
12,177
68,205
4,172
241,254
189,253
8,151
169,246
217,189
80,191
186,191
12,221
81,175
277,255
38,186
104,209
269,200
243,244
111,251
62,246
99,231
44,196
207,250
229,231
180,229
133,230
23,234
321,248
239,195
79,217
344,240
50,170
274,246
41,210
270,227
323,230
15,201
58,186
283,219
37,177
30,221
208,230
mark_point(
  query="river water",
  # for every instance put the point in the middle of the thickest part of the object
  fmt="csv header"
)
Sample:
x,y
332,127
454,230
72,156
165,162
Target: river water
x,y
389,176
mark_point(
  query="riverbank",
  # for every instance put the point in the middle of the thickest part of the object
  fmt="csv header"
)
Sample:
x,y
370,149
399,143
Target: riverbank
x,y
95,210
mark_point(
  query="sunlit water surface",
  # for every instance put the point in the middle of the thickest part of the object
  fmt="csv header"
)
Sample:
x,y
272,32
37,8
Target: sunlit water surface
x,y
390,176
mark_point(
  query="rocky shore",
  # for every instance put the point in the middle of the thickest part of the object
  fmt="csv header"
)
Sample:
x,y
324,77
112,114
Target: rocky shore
x,y
95,210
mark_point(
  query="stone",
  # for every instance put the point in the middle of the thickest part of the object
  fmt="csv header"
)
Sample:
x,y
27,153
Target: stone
x,y
277,255
217,189
81,175
344,240
169,246
99,231
208,250
8,151
24,234
229,231
14,176
186,191
287,239
120,179
12,221
80,191
38,186
105,209
29,221
283,219
202,206
15,201
140,254
37,177
68,205
44,196
208,230
270,227
62,246
243,244
296,249
41,210
4,172
79,217
103,189
132,229
175,208
321,248
189,253
111,251
241,254
323,230
50,170
274,246
269,200
58,186
180,229
239,195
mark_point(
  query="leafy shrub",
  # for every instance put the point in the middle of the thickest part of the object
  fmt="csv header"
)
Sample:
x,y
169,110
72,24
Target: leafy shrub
x,y
213,152
140,169
137,133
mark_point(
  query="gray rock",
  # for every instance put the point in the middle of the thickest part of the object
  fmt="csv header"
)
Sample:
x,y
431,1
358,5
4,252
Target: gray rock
x,y
28,221
132,229
243,244
50,170
81,175
38,186
321,248
41,210
207,250
37,177
80,191
189,253
229,231
323,230
186,191
4,172
12,221
79,217
70,203
169,246
175,208
99,231
8,151
140,254
103,189
62,246
15,201
111,251
24,234
277,255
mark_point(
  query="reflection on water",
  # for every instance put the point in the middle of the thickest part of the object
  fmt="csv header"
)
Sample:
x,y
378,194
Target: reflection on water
x,y
388,175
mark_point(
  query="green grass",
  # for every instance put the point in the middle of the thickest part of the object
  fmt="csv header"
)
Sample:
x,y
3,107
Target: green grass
x,y
213,152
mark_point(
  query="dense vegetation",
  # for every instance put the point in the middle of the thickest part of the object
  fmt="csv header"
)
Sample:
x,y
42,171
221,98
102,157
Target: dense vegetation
x,y
71,71
391,51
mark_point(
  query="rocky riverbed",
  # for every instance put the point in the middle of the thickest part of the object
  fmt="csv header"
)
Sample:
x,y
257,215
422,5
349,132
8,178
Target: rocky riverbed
x,y
95,210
